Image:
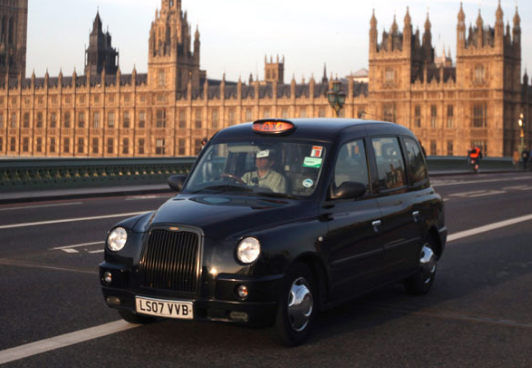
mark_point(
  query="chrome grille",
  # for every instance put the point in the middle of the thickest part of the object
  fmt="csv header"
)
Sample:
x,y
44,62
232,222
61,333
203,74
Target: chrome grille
x,y
170,261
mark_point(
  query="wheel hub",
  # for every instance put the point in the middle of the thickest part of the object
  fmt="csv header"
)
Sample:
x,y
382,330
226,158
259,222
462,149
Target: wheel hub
x,y
300,304
427,263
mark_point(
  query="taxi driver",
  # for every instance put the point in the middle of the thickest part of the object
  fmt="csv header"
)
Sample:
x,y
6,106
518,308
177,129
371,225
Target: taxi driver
x,y
265,176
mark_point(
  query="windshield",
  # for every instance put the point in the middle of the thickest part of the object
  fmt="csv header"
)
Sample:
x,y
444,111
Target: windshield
x,y
264,167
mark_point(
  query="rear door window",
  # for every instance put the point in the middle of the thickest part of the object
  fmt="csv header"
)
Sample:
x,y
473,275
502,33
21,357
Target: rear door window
x,y
390,163
351,164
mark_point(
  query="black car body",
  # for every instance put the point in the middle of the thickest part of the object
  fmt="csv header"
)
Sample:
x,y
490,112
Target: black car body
x,y
355,212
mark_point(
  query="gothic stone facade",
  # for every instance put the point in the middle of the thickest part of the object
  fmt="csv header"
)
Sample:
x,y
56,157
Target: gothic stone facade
x,y
13,32
477,102
167,111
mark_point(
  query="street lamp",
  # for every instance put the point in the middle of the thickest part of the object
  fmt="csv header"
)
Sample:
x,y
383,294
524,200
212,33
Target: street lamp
x,y
336,97
522,133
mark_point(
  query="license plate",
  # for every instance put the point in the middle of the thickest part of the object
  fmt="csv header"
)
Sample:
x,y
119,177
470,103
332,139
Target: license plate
x,y
165,308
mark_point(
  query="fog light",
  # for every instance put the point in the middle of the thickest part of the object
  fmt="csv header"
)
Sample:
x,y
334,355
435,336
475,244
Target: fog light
x,y
108,277
242,291
239,316
113,300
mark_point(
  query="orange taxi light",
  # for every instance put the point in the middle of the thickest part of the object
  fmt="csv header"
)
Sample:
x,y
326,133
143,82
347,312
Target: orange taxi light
x,y
273,126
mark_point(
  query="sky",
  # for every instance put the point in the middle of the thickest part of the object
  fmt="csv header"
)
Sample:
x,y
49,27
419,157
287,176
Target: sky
x,y
236,35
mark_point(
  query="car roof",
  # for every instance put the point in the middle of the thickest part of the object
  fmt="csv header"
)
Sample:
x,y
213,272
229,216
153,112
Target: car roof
x,y
319,129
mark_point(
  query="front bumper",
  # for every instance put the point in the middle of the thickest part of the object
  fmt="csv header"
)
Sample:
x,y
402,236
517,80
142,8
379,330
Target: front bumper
x,y
216,300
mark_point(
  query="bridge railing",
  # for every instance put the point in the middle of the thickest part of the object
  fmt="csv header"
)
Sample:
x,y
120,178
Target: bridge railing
x,y
17,175
38,174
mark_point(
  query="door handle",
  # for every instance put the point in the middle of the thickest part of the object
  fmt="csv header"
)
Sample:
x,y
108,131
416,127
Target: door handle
x,y
415,214
376,226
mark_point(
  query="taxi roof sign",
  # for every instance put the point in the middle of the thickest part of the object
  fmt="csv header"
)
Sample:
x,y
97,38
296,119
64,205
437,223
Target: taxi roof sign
x,y
273,126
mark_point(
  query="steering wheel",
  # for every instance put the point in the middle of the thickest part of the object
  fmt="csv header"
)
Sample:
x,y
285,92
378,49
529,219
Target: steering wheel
x,y
232,177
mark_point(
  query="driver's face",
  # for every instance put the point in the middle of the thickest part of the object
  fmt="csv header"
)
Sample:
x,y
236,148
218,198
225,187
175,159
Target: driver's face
x,y
263,163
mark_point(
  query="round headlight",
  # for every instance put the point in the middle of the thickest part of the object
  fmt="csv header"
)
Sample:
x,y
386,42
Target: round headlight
x,y
117,239
248,250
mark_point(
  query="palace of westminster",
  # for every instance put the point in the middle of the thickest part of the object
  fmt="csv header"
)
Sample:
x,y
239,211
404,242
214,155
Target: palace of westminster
x,y
475,101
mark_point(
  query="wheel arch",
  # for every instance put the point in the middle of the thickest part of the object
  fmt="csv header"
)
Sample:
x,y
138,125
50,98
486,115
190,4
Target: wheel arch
x,y
320,274
434,234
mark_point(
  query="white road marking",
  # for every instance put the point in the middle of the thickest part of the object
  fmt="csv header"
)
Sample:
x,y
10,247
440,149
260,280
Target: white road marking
x,y
70,248
28,224
466,194
518,187
41,206
38,347
488,193
477,193
78,245
486,228
445,184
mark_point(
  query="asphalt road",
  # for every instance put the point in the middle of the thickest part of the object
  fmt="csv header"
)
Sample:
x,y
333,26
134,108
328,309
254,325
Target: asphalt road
x,y
478,313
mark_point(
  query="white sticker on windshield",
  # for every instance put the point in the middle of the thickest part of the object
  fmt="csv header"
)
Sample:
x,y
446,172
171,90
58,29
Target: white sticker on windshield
x,y
308,183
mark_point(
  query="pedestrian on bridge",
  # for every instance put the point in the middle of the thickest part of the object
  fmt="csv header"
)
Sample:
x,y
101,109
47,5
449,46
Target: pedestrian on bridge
x,y
516,158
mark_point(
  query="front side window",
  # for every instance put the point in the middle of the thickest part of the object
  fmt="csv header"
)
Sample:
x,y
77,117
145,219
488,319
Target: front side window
x,y
417,167
390,165
261,167
351,164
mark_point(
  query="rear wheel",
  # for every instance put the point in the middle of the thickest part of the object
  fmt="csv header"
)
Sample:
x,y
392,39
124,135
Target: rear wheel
x,y
422,281
296,311
137,319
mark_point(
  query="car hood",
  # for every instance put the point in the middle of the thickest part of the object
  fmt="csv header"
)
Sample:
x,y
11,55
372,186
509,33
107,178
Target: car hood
x,y
222,216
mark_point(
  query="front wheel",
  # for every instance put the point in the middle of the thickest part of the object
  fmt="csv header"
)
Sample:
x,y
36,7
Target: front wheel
x,y
421,282
296,311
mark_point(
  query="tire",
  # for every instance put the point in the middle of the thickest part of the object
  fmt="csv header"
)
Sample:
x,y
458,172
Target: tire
x,y
295,315
421,282
134,318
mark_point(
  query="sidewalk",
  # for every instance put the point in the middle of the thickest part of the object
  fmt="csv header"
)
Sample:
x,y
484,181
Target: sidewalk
x,y
48,195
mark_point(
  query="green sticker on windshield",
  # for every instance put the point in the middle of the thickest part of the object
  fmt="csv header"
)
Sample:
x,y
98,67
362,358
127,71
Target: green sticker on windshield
x,y
313,162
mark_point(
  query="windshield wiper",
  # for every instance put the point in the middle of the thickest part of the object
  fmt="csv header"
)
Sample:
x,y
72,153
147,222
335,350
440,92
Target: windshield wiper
x,y
224,188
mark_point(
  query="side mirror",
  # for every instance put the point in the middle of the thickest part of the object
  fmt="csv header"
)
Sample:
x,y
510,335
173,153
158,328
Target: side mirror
x,y
349,190
176,182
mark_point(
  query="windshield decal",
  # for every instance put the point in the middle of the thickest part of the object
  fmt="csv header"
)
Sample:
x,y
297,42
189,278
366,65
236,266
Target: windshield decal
x,y
308,183
316,151
312,162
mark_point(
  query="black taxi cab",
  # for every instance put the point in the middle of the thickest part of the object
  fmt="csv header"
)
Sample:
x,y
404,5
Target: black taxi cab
x,y
277,220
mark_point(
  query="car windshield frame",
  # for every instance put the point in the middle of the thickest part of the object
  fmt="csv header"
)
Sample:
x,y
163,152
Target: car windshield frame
x,y
300,162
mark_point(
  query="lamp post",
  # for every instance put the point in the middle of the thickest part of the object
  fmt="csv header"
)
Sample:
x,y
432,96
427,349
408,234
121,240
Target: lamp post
x,y
336,97
521,133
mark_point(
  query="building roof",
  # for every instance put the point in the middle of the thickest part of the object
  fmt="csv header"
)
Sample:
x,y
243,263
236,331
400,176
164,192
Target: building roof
x,y
266,91
81,81
361,73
